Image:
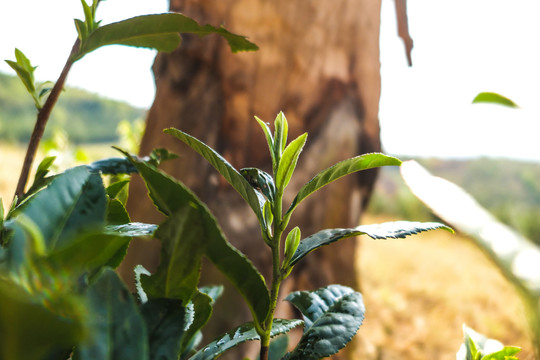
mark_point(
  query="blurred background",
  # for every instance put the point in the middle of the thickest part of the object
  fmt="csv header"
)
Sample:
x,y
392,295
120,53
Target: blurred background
x,y
420,290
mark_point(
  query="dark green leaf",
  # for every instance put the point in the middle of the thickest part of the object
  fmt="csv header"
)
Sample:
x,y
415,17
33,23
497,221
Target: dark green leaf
x,y
332,316
113,166
178,273
494,98
165,324
75,200
202,310
278,347
288,161
230,174
89,252
158,31
346,167
260,180
388,230
170,196
29,329
134,229
240,335
117,330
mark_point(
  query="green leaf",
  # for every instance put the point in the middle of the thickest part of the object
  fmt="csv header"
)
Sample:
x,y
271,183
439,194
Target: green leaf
x,y
507,353
202,310
494,98
159,155
230,174
158,31
291,244
89,252
346,167
260,180
117,329
177,275
240,335
165,324
115,188
269,140
281,129
113,166
388,230
31,330
75,200
25,72
134,229
288,161
171,196
332,315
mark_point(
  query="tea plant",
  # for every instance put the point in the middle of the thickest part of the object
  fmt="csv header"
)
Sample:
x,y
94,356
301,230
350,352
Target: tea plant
x,y
335,310
63,237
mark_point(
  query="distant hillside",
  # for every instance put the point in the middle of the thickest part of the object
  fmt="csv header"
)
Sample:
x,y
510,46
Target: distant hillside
x,y
84,116
508,189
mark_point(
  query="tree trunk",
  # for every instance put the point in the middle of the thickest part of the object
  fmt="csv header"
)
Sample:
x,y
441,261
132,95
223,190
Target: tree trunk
x,y
318,63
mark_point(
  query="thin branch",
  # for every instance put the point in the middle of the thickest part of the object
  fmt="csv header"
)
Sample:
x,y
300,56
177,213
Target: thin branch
x,y
43,116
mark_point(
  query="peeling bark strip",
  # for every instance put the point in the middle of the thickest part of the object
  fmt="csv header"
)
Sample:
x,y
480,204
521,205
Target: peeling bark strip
x,y
319,63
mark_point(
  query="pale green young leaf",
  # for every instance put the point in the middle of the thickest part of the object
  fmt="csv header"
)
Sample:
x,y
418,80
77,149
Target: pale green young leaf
x,y
291,244
336,310
281,129
25,72
346,167
269,139
233,177
388,230
240,335
288,161
158,31
494,98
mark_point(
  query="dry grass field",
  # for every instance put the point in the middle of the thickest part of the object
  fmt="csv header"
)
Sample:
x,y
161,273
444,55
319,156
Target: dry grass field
x,y
418,291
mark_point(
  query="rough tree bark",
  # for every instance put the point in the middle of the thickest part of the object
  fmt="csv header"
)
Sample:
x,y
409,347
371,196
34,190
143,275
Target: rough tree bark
x,y
319,63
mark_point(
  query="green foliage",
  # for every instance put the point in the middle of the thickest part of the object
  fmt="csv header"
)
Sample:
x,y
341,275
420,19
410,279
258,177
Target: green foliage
x,y
264,193
159,31
336,310
494,98
25,72
241,334
61,241
478,347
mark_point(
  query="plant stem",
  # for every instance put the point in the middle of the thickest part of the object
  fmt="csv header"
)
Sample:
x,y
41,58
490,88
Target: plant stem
x,y
43,116
276,275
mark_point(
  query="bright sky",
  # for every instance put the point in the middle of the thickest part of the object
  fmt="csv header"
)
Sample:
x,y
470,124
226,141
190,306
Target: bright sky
x,y
462,47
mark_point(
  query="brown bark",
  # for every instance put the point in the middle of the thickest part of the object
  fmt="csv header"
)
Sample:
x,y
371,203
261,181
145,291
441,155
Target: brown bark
x,y
319,63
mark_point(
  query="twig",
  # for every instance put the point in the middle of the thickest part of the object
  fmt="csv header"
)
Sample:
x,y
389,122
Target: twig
x,y
43,116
